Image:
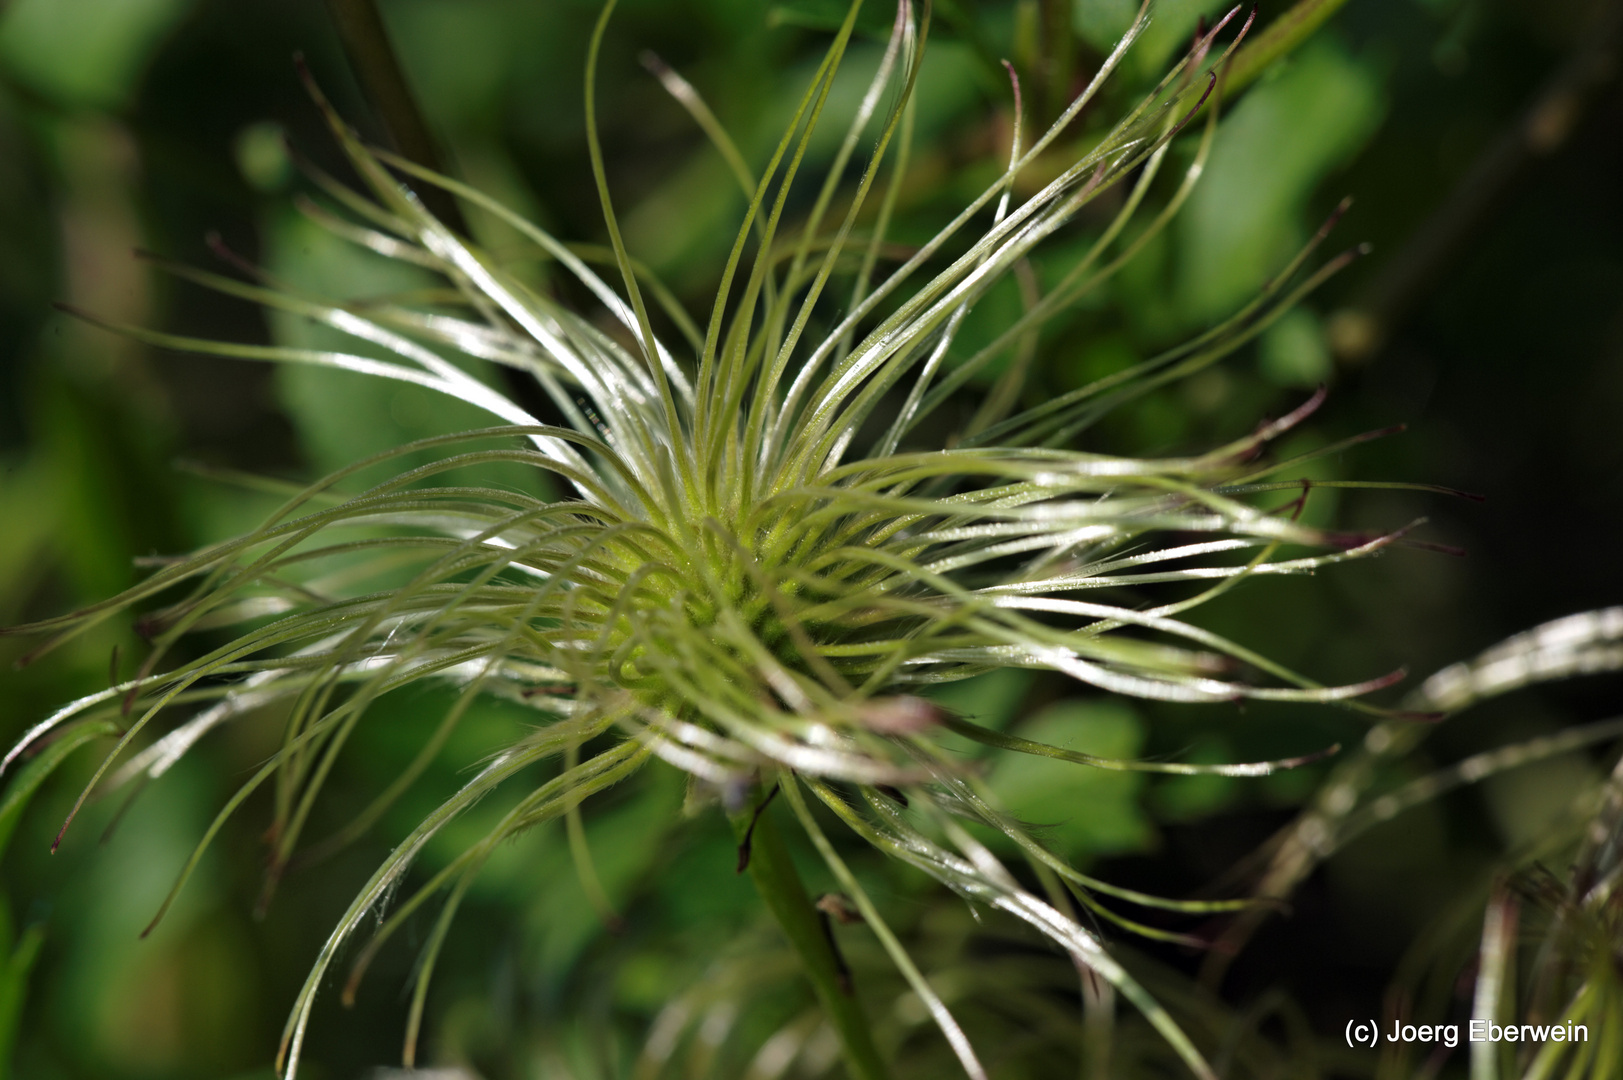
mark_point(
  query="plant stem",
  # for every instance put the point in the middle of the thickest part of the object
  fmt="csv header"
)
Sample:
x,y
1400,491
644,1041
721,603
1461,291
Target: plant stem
x,y
376,65
776,879
372,57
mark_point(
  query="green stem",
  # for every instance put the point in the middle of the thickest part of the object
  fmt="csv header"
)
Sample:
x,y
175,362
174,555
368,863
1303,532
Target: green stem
x,y
377,67
776,879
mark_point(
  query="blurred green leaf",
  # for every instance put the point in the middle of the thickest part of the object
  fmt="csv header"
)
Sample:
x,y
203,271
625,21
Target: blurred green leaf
x,y
1171,29
32,775
16,962
29,505
1190,798
1278,38
693,212
1101,23
1279,144
84,52
461,55
13,990
342,417
1293,352
1081,810
262,158
991,700
874,20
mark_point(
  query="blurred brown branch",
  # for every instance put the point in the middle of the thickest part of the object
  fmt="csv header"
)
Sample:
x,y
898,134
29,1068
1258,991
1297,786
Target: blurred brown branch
x,y
1542,128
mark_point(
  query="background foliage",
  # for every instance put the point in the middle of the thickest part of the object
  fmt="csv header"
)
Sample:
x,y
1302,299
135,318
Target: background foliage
x,y
1490,320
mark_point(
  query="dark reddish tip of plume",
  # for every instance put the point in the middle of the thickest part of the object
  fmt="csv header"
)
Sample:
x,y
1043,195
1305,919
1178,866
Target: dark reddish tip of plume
x,y
1268,429
1391,678
1334,219
226,254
